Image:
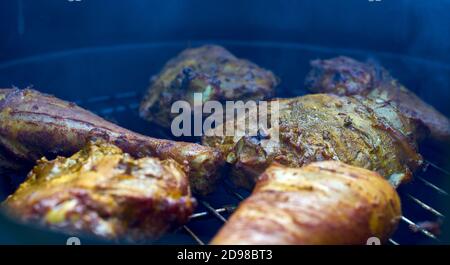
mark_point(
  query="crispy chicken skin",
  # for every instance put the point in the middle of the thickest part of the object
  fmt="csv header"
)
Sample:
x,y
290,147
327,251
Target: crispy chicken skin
x,y
103,192
210,70
33,125
324,203
346,76
355,130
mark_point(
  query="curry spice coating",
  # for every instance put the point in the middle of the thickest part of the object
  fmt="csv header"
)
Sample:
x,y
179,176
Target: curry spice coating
x,y
355,130
103,192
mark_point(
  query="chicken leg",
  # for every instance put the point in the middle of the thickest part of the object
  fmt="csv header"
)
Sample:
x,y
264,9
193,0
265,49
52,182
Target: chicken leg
x,y
33,125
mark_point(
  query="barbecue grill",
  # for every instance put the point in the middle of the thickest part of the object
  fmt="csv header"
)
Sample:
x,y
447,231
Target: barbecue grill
x,y
110,79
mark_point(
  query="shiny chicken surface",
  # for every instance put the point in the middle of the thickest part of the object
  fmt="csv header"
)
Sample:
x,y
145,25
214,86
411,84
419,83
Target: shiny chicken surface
x,y
103,192
324,203
33,125
346,76
210,70
354,130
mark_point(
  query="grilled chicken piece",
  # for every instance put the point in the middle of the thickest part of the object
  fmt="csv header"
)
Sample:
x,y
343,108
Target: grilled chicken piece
x,y
210,70
103,192
355,130
345,76
324,203
33,125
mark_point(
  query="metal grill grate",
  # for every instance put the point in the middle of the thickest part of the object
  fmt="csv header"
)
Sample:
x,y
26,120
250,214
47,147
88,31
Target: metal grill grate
x,y
128,103
217,213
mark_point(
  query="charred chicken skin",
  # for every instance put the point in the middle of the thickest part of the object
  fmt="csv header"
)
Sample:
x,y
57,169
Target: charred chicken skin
x,y
33,125
346,76
210,70
324,203
103,192
355,130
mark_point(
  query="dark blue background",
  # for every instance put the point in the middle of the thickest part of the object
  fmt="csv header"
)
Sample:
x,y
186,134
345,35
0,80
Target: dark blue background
x,y
414,27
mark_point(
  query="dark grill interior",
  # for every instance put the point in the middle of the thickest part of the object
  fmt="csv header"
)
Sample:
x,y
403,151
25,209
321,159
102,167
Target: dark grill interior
x,y
109,81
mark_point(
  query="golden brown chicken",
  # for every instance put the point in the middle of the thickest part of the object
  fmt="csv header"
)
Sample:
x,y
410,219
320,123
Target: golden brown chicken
x,y
210,70
324,203
33,125
103,192
356,131
346,76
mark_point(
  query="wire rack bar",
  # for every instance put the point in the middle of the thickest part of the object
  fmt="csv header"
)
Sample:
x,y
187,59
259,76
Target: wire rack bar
x,y
393,242
213,211
425,206
433,186
228,209
438,167
236,194
216,213
193,235
105,99
414,226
